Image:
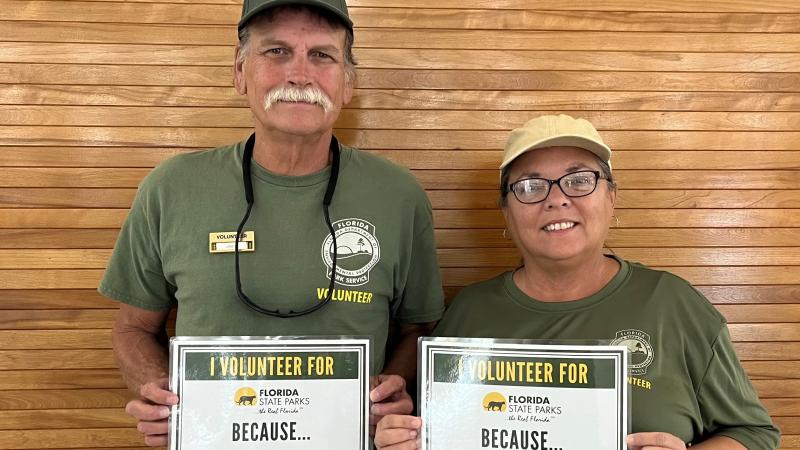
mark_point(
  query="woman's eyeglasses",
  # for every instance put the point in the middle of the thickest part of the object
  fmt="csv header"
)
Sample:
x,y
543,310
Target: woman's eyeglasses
x,y
575,184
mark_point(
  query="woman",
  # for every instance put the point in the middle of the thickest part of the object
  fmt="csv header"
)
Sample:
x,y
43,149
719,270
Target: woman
x,y
557,197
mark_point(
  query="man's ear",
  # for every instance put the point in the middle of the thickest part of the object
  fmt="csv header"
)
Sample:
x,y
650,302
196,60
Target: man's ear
x,y
348,89
238,72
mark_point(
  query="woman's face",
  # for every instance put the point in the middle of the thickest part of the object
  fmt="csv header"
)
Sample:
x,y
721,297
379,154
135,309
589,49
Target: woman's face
x,y
560,228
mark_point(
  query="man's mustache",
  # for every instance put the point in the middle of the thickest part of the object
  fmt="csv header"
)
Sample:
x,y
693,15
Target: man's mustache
x,y
294,94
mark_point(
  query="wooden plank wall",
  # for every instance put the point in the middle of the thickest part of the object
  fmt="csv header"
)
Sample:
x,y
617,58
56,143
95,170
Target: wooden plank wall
x,y
700,100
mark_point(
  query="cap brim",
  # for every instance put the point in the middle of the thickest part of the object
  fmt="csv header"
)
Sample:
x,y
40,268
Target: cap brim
x,y
346,21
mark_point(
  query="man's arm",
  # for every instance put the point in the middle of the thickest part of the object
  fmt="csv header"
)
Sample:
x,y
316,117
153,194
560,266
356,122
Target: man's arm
x,y
666,441
389,394
138,351
403,357
143,361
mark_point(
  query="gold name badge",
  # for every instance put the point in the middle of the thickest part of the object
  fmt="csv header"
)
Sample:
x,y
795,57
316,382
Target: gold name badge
x,y
224,241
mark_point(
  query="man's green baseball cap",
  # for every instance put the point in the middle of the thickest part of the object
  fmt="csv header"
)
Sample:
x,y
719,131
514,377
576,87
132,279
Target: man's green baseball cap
x,y
338,7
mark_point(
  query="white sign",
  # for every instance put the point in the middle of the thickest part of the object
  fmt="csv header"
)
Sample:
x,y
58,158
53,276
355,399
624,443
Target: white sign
x,y
499,394
284,394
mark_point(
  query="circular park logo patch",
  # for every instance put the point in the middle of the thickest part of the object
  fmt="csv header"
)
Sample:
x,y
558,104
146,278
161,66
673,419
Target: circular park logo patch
x,y
357,251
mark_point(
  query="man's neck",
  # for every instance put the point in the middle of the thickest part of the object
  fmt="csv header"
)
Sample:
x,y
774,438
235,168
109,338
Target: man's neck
x,y
292,155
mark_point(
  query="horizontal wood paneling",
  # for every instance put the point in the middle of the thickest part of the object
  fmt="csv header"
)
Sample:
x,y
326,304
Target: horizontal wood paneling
x,y
98,157
90,238
451,198
752,294
39,299
168,34
699,100
59,319
730,294
63,399
66,418
123,12
57,359
780,388
134,33
747,331
640,218
102,359
505,257
788,425
219,55
58,238
82,438
54,299
718,275
639,237
381,139
126,116
181,77
62,218
643,198
477,19
471,257
482,100
753,275
64,339
739,317
31,217
420,17
686,6
60,379
661,180
771,370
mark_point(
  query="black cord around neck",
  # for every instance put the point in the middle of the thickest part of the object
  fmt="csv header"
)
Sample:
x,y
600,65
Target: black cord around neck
x,y
247,180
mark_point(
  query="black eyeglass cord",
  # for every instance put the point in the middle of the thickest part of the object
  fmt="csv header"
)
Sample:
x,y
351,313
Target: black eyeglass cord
x,y
247,157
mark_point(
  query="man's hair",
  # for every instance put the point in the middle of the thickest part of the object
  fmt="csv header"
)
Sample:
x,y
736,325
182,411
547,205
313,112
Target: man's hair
x,y
324,15
605,172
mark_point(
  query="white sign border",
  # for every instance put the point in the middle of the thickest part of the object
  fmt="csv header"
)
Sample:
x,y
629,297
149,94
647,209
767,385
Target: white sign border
x,y
428,346
180,346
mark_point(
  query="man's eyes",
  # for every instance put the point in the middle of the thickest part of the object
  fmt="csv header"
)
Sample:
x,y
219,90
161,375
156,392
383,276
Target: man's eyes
x,y
323,55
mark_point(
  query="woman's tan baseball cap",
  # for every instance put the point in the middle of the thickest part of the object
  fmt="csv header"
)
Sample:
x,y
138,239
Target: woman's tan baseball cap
x,y
555,131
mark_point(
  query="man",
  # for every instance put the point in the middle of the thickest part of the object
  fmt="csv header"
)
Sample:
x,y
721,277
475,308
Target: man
x,y
373,234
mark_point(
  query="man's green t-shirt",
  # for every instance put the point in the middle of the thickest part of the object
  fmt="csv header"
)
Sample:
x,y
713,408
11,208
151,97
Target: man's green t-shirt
x,y
387,267
685,377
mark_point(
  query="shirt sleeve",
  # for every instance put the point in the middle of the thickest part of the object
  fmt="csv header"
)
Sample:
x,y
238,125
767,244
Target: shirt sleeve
x,y
134,273
728,403
421,299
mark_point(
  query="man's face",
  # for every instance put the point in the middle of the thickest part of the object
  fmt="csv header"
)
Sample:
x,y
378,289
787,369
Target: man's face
x,y
301,54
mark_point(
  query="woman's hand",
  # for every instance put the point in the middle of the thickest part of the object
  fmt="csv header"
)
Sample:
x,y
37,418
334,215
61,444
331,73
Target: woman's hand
x,y
398,433
388,396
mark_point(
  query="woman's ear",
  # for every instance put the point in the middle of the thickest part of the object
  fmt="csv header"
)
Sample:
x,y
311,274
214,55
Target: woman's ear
x,y
613,197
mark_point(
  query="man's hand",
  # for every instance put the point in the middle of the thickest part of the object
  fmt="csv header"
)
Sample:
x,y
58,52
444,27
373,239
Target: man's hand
x,y
152,411
655,441
388,396
398,433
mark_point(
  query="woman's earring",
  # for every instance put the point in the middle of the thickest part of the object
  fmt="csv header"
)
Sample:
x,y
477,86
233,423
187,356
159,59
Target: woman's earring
x,y
616,219
505,233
